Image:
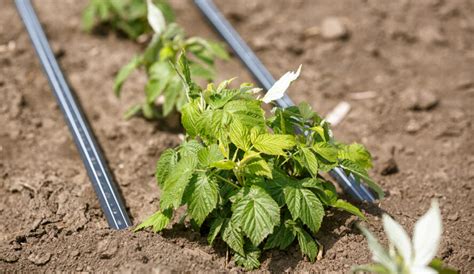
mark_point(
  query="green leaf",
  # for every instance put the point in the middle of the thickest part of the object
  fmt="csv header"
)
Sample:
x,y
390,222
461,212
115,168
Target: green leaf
x,y
189,149
189,118
437,265
341,204
239,135
209,155
157,221
215,229
257,214
165,165
232,235
327,151
273,144
201,196
132,111
281,238
305,205
357,154
360,173
307,244
310,161
276,185
250,259
370,268
160,74
253,164
249,112
176,183
124,72
224,164
218,50
200,71
171,93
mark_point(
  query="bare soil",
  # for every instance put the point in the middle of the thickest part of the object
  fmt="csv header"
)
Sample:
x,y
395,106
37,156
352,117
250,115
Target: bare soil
x,y
414,61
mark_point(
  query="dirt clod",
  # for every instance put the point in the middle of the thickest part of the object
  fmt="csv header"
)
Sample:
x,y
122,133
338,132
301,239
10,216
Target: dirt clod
x,y
419,99
389,167
333,28
40,258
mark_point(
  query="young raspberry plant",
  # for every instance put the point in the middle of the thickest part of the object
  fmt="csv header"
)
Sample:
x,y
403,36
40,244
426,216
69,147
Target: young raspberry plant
x,y
249,180
128,17
159,59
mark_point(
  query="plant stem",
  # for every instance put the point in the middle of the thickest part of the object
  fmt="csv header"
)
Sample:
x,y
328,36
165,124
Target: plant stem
x,y
226,180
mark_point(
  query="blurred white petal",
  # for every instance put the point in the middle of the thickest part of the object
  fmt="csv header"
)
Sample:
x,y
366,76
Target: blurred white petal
x,y
398,237
379,255
427,235
155,18
277,91
422,270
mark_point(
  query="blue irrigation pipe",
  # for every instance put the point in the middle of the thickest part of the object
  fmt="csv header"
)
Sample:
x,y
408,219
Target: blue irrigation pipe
x,y
349,183
101,179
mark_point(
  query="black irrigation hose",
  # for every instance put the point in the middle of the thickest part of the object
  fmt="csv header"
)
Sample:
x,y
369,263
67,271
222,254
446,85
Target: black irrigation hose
x,y
101,179
265,79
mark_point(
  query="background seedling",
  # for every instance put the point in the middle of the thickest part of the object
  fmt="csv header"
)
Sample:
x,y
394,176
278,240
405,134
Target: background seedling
x,y
128,17
158,61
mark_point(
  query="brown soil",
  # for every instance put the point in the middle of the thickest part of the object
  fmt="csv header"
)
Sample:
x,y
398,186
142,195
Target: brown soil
x,y
416,56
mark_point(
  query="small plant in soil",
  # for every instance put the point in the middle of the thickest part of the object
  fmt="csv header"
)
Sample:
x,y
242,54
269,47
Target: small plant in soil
x,y
404,255
249,180
128,17
158,62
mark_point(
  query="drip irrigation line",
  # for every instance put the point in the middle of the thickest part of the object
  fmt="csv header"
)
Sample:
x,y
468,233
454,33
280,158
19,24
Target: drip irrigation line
x,y
101,179
265,80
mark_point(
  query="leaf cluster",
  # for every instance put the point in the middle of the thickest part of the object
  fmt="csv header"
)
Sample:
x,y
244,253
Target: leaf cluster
x,y
128,17
251,180
159,62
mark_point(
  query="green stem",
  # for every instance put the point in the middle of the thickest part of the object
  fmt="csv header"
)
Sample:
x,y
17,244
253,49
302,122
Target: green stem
x,y
226,180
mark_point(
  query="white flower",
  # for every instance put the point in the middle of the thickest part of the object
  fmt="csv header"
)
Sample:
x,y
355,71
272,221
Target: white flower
x,y
277,91
155,18
418,253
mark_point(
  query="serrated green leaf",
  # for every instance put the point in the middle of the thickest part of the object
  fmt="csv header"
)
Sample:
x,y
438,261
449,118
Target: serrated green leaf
x,y
250,260
281,238
257,214
124,72
249,112
307,244
361,173
275,186
215,229
201,196
190,115
310,161
232,235
209,155
274,144
327,151
189,149
177,181
341,204
253,164
158,221
239,135
357,154
165,165
305,205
